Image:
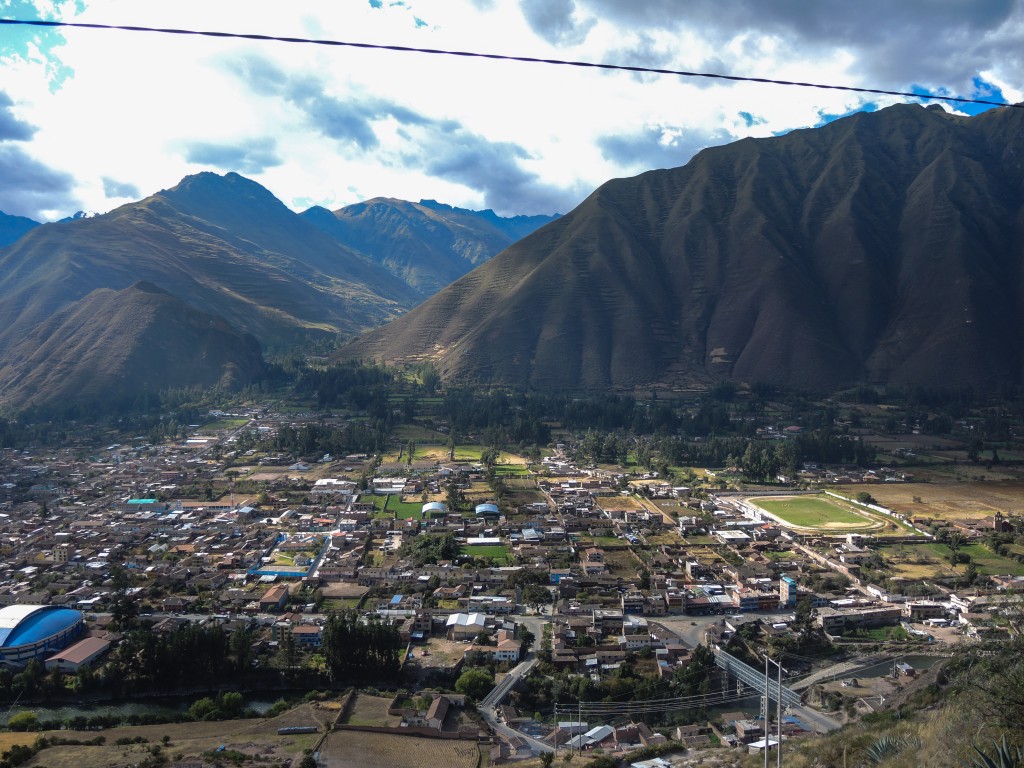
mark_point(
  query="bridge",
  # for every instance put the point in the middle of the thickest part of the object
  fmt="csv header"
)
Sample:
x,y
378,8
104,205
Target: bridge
x,y
755,678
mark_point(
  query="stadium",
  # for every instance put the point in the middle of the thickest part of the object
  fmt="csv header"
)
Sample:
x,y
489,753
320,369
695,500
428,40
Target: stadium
x,y
36,631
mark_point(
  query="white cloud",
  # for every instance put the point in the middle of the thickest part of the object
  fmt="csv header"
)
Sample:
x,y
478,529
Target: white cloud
x,y
333,125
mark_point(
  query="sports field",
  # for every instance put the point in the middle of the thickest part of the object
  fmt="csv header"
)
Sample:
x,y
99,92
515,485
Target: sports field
x,y
817,512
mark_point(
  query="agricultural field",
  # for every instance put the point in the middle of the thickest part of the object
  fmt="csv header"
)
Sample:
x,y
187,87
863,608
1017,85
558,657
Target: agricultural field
x,y
949,501
371,710
930,560
818,512
355,749
253,738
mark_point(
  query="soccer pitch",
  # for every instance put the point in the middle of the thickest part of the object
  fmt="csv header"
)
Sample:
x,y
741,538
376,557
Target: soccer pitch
x,y
817,512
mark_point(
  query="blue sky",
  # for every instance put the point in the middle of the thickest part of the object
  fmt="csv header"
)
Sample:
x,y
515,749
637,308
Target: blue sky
x,y
94,119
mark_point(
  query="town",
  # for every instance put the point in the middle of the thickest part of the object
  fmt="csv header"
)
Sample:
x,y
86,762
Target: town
x,y
500,571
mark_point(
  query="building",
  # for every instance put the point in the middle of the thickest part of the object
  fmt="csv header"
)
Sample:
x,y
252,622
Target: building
x,y
329,487
835,621
275,598
919,611
465,626
433,509
79,655
787,592
36,631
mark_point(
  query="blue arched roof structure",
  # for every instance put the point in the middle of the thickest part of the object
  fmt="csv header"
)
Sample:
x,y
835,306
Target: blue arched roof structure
x,y
21,627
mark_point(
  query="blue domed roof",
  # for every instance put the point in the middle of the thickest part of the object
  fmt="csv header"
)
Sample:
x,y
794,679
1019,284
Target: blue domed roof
x,y
24,625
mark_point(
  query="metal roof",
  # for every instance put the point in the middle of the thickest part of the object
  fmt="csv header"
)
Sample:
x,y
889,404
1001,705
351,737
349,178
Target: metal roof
x,y
26,624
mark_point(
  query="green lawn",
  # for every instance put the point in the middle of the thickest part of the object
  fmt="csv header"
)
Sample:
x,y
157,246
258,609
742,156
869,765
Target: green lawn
x,y
404,509
598,541
491,551
511,470
813,512
213,426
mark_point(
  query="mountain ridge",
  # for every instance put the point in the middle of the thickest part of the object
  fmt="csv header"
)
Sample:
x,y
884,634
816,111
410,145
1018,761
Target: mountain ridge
x,y
426,244
822,258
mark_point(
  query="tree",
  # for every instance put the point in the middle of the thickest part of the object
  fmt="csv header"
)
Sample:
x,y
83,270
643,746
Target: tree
x,y
475,683
526,639
356,651
534,595
804,623
547,758
455,497
23,721
865,498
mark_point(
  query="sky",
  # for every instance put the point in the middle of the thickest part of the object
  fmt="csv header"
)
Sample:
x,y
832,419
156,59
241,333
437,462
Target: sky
x,y
94,119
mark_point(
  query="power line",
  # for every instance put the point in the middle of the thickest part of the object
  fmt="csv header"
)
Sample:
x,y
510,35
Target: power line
x,y
504,57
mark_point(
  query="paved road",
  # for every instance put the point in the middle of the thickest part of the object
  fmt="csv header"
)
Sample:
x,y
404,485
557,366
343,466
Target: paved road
x,y
489,705
843,669
690,629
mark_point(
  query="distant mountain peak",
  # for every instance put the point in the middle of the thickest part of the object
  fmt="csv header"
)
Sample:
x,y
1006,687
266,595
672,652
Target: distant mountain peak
x,y
78,216
428,244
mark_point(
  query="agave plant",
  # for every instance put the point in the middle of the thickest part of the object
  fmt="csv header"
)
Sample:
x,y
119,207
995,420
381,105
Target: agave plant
x,y
890,745
1004,756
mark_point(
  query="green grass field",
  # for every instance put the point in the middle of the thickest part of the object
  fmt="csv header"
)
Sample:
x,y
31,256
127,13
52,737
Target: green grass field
x,y
511,470
814,512
404,509
497,552
214,426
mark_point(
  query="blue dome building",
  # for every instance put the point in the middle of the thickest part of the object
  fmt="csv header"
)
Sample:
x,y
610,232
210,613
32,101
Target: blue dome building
x,y
36,631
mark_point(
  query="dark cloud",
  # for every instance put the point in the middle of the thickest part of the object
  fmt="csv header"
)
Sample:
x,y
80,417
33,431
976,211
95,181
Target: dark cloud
x,y
556,21
248,157
348,120
438,147
115,188
30,188
11,128
647,149
937,42
492,169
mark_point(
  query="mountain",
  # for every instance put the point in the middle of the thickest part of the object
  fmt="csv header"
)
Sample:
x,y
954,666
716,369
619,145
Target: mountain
x,y
113,346
881,247
13,227
427,244
221,245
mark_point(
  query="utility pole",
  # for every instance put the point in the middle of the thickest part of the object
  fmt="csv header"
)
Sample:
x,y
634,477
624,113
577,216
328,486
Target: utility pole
x,y
767,710
778,712
778,720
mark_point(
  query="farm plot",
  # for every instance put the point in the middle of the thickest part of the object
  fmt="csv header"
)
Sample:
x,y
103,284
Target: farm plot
x,y
356,749
371,710
814,512
258,740
950,501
